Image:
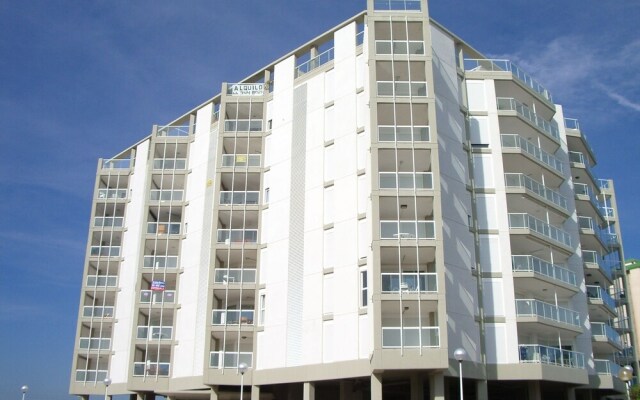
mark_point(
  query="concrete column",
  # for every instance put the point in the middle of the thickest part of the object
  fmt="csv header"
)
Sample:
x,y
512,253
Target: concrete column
x,y
482,389
213,394
417,389
436,387
309,391
346,390
376,387
131,397
84,397
255,392
571,394
534,390
141,396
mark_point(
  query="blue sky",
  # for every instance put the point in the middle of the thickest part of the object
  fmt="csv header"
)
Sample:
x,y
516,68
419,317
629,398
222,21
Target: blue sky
x,y
81,80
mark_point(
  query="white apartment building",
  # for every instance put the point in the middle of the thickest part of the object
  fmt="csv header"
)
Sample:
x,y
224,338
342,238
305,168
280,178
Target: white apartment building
x,y
344,219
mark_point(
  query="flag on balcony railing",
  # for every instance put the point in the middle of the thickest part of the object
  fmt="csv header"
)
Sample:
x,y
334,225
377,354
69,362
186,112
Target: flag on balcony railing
x,y
157,286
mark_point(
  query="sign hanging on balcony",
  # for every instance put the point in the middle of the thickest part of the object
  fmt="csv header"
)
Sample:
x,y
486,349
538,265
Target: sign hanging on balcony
x,y
157,286
246,89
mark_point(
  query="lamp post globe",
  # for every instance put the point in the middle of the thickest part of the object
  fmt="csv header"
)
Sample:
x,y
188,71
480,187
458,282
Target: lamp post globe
x,y
625,375
107,382
460,354
24,389
242,368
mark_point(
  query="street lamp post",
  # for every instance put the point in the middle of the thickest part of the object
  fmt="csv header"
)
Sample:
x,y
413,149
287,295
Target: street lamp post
x,y
626,374
460,354
242,367
106,382
24,389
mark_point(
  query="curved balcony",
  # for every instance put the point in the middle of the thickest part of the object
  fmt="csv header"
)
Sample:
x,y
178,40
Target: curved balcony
x,y
520,155
602,306
526,266
550,232
605,338
596,269
536,353
532,311
549,128
521,181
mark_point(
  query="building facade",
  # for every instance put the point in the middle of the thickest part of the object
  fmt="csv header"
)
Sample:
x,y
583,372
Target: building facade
x,y
344,219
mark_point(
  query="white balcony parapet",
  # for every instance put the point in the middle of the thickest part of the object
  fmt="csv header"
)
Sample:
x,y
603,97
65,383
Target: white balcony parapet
x,y
511,141
548,127
606,367
102,280
602,330
173,131
228,236
537,308
404,337
402,89
108,222
239,197
406,180
407,230
119,194
496,65
91,375
166,195
539,354
88,343
399,47
170,163
598,293
526,221
105,251
241,160
409,282
403,134
151,368
512,180
160,262
315,62
154,332
232,317
157,297
527,263
234,275
229,359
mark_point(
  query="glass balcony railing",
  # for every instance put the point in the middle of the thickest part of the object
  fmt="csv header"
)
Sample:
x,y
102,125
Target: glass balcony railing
x,y
232,317
525,182
402,89
588,224
598,293
582,189
241,160
608,212
91,375
105,251
407,230
408,134
173,131
508,66
573,124
593,257
102,280
398,337
606,367
95,343
116,164
112,194
235,275
154,332
526,221
108,222
315,62
229,359
623,324
602,330
406,180
538,354
360,38
157,296
166,195
163,228
243,125
548,127
97,311
228,236
239,198
151,368
409,282
525,263
604,183
160,262
170,163
510,141
399,47
396,5
537,308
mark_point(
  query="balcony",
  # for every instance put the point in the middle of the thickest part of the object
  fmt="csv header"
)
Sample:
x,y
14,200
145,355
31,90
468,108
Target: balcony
x,y
234,275
118,194
104,251
598,295
399,47
102,281
538,309
403,134
173,131
584,191
160,262
527,263
166,195
116,164
422,282
406,180
154,332
157,296
91,375
407,230
606,367
87,343
589,228
243,125
163,228
239,198
575,133
232,236
526,221
539,354
410,337
494,65
108,222
602,332
402,89
232,317
623,325
241,160
595,265
97,311
521,181
550,128
511,141
229,359
151,368
173,164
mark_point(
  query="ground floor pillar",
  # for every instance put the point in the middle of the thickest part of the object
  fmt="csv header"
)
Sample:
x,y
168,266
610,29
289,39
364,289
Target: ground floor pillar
x,y
255,392
436,387
534,390
309,391
213,394
482,390
376,387
417,387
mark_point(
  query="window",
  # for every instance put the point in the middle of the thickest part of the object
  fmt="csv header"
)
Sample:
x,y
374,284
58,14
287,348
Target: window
x,y
261,308
364,301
